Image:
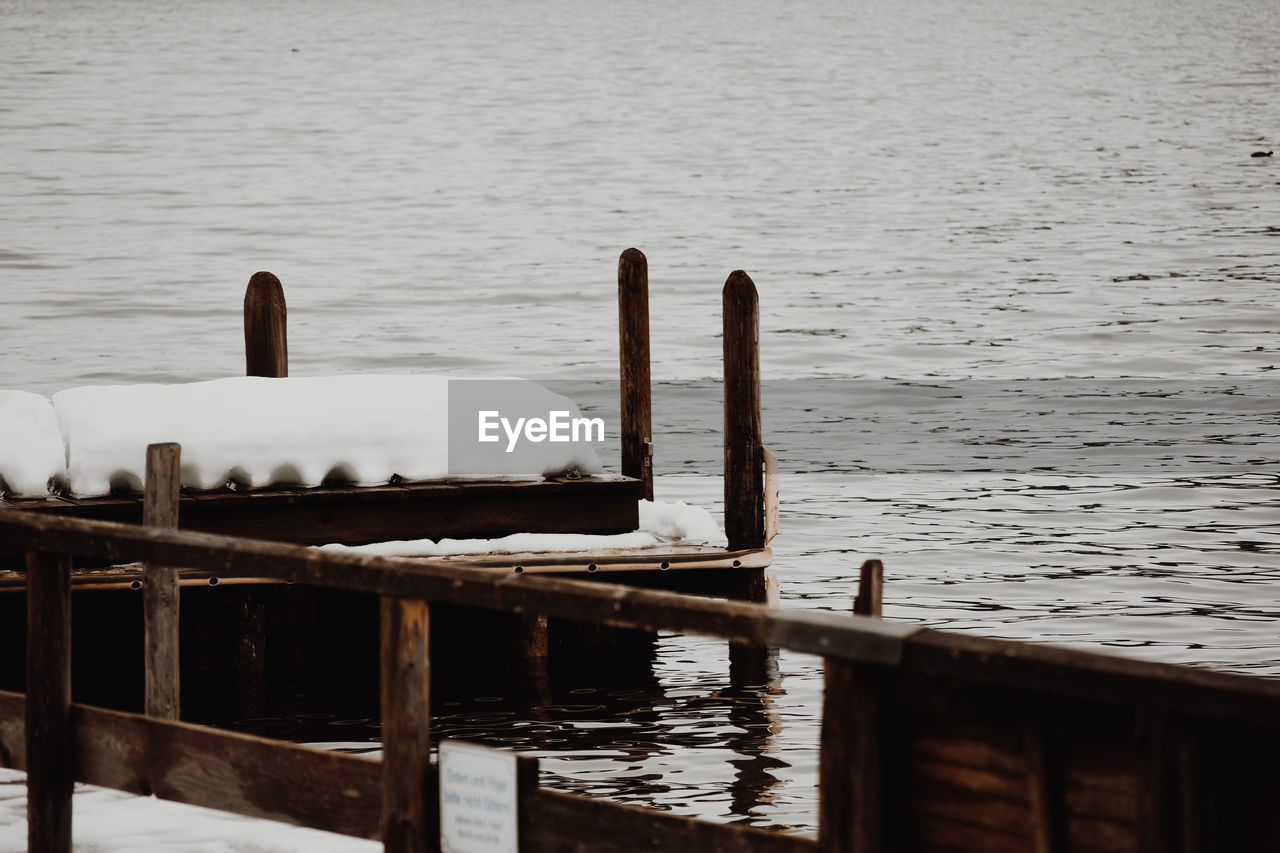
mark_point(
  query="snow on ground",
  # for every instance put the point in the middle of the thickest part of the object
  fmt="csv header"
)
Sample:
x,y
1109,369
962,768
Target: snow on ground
x,y
31,451
106,821
253,432
660,524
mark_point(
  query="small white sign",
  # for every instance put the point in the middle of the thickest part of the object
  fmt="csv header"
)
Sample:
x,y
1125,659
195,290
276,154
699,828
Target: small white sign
x,y
478,809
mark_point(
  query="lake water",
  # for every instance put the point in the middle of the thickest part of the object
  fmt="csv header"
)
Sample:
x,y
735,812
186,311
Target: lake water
x,y
1051,214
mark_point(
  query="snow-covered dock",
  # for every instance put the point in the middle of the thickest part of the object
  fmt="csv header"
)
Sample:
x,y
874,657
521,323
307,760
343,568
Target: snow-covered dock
x,y
371,463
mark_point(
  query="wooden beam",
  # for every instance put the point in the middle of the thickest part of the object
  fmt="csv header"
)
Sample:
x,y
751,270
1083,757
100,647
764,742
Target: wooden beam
x,y
633,349
234,772
576,824
266,342
160,587
743,462
48,708
850,769
406,725
815,632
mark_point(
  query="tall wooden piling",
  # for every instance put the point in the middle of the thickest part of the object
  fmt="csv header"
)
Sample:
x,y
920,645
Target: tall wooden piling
x,y
48,713
266,343
266,353
633,348
743,458
160,590
406,724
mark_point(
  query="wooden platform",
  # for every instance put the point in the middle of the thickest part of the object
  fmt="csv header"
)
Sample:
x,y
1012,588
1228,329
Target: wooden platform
x,y
359,515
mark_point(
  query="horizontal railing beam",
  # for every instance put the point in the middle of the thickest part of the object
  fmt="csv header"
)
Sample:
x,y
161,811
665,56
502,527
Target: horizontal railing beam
x,y
868,640
202,766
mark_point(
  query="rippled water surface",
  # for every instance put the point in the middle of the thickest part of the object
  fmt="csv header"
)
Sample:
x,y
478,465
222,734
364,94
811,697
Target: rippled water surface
x,y
928,195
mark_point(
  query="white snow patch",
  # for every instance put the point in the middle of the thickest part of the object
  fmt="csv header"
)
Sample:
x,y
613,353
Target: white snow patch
x,y
255,432
660,524
33,461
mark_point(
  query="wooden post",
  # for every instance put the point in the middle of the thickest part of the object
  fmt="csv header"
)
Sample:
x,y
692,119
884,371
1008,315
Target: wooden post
x,y
743,462
526,791
744,458
633,348
406,725
266,353
160,592
48,711
850,806
266,343
870,598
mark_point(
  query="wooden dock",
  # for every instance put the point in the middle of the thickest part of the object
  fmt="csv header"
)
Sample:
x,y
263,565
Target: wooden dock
x,y
931,741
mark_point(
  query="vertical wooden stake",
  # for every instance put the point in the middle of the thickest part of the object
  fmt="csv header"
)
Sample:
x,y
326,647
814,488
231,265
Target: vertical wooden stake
x,y
526,793
743,462
266,343
406,725
870,598
160,590
633,348
850,805
48,719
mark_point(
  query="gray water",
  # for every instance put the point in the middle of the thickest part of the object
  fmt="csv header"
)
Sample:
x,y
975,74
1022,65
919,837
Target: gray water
x,y
931,194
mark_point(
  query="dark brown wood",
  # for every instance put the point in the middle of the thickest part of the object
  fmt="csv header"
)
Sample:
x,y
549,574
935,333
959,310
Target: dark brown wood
x,y
377,514
633,348
743,459
1044,796
406,725
815,632
266,342
160,586
870,598
240,773
48,707
850,770
577,824
1159,784
526,800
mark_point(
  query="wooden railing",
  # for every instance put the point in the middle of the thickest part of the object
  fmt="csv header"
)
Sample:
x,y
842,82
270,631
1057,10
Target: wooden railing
x,y
930,740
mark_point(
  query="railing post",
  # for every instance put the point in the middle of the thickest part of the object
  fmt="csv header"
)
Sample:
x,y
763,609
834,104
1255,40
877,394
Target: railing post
x,y
48,717
160,595
633,348
406,726
743,460
526,793
870,598
850,805
266,343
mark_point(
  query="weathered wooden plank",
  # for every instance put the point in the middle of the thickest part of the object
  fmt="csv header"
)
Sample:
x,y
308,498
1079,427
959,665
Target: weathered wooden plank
x,y
603,827
870,598
633,351
160,588
743,464
353,516
850,769
406,725
48,708
239,773
872,640
1108,680
266,340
